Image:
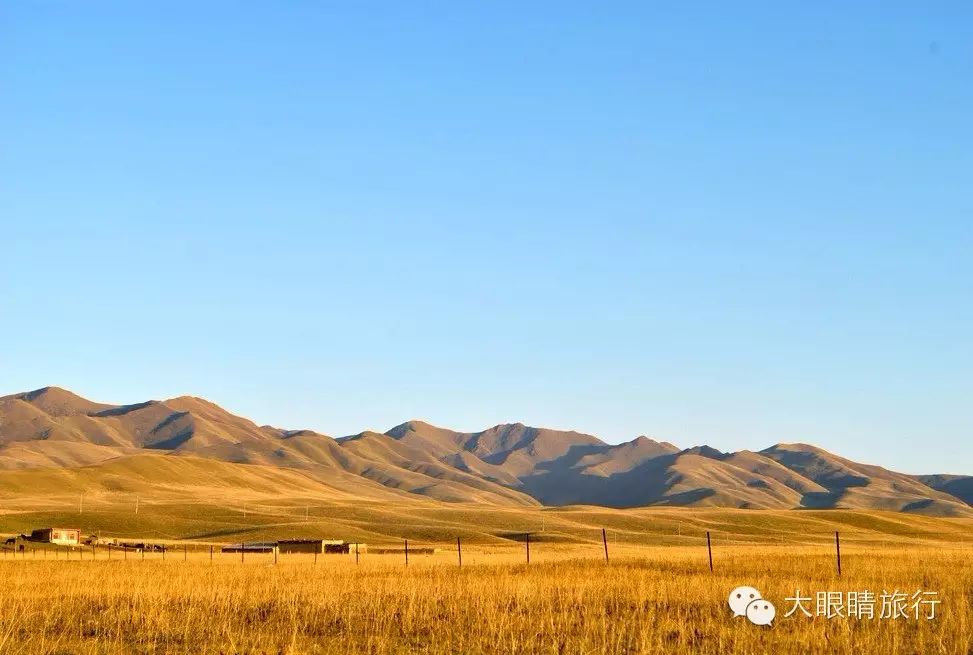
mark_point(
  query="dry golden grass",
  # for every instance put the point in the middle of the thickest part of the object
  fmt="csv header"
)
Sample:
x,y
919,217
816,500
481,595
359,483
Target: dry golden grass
x,y
647,600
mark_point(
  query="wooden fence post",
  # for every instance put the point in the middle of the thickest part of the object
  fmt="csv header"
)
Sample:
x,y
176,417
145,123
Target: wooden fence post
x,y
709,549
527,535
604,540
185,552
837,551
356,553
459,551
407,552
211,554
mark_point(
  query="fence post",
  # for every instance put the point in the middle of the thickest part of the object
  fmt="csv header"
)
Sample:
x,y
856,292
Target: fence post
x,y
275,555
527,535
459,551
163,552
315,557
109,551
709,549
185,552
604,540
407,552
211,554
356,553
837,551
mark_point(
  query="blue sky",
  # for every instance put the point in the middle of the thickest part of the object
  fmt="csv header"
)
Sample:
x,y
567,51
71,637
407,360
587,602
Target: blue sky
x,y
734,225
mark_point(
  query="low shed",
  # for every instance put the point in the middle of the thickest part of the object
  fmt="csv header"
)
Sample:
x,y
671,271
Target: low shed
x,y
58,536
309,545
250,548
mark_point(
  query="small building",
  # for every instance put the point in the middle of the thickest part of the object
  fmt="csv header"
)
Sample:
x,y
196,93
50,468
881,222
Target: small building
x,y
310,545
57,536
255,547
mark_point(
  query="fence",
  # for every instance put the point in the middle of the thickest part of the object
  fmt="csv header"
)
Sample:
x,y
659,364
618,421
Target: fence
x,y
159,552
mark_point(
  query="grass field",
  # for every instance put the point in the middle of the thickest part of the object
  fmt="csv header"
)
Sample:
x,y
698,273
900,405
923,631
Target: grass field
x,y
656,595
236,517
647,600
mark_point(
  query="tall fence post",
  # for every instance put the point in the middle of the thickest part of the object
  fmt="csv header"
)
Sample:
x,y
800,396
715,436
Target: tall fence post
x,y
185,552
527,535
109,551
211,554
709,549
837,551
315,557
356,553
604,540
459,551
407,552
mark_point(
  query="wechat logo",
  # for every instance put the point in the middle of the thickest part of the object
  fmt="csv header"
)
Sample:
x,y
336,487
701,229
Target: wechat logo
x,y
747,601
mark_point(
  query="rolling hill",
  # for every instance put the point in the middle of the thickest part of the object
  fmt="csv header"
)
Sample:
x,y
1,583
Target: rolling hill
x,y
54,441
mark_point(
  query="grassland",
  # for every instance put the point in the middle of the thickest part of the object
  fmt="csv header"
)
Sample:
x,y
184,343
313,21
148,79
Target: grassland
x,y
656,595
263,516
647,600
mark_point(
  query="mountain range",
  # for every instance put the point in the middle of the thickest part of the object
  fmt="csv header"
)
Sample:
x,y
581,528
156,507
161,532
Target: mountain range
x,y
52,429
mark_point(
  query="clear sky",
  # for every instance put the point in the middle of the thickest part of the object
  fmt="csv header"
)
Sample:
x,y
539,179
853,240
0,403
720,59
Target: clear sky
x,y
723,223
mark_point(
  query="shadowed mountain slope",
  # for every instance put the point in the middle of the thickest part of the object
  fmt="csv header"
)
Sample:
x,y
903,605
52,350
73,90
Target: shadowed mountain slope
x,y
52,435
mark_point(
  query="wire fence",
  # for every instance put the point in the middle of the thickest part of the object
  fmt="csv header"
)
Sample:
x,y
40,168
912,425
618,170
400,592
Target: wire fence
x,y
526,549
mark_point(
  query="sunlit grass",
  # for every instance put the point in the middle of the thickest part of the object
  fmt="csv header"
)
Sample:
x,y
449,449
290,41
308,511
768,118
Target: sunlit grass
x,y
568,600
